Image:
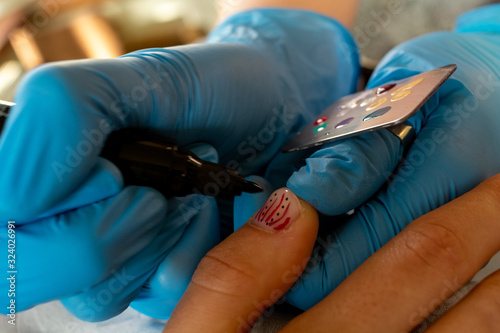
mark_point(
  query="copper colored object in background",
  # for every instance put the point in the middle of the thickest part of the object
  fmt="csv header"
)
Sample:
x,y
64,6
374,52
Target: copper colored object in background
x,y
85,36
33,32
50,31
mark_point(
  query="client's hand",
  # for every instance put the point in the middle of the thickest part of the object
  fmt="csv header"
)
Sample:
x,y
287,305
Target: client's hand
x,y
391,292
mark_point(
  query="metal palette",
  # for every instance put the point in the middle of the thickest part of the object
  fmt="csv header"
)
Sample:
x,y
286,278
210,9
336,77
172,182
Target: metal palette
x,y
370,110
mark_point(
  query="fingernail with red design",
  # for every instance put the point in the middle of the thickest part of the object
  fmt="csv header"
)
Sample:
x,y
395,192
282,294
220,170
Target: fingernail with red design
x,y
279,212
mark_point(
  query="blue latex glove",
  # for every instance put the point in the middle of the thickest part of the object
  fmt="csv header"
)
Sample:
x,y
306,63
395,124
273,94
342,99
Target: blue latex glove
x,y
456,148
84,238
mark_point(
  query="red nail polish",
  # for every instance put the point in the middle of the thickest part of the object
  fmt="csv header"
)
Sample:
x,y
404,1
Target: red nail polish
x,y
279,212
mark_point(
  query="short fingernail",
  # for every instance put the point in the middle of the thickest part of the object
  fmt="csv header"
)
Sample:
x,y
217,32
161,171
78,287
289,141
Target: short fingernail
x,y
279,212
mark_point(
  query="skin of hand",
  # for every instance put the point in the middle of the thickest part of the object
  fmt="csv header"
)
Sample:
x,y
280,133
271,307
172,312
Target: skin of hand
x,y
454,151
392,291
85,238
250,270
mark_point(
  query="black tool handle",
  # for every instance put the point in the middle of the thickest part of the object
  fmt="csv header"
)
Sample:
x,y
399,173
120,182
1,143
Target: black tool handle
x,y
146,159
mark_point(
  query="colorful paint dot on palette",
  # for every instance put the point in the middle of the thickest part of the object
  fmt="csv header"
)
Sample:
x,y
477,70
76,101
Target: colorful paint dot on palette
x,y
400,95
378,113
320,128
344,122
321,120
411,84
377,103
414,83
368,101
384,89
390,105
352,104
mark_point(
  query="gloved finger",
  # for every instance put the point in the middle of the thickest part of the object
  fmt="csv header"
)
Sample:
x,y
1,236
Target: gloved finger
x,y
167,261
442,164
341,176
165,287
157,276
250,270
63,255
104,182
246,204
358,167
398,286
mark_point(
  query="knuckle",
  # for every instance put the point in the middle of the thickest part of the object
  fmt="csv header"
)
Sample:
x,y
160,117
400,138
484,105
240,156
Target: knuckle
x,y
434,246
39,78
222,274
49,89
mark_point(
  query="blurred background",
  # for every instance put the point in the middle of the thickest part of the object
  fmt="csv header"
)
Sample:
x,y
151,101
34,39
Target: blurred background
x,y
33,32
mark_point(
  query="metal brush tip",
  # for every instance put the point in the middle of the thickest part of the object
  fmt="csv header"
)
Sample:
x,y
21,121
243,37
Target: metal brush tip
x,y
251,187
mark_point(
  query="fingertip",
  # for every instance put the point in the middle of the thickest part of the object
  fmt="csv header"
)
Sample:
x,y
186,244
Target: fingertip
x,y
280,211
251,270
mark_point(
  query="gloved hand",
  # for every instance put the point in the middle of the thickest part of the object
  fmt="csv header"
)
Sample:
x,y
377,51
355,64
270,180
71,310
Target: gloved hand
x,y
83,238
455,149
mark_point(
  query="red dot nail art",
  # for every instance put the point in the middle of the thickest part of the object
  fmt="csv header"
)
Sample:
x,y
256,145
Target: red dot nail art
x,y
281,209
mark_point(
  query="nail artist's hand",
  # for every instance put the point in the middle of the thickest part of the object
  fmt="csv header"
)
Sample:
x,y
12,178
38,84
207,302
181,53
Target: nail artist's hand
x,y
386,294
237,98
